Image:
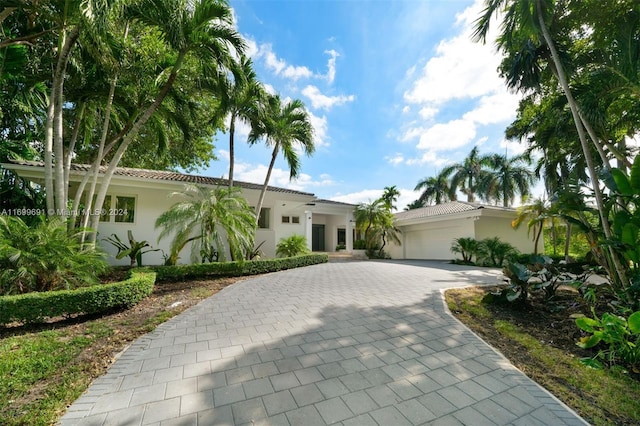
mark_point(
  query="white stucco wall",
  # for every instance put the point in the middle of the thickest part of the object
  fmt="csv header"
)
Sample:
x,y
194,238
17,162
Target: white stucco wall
x,y
431,240
500,227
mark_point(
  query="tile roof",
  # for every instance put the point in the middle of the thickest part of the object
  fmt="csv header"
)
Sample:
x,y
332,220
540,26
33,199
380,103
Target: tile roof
x,y
444,209
169,176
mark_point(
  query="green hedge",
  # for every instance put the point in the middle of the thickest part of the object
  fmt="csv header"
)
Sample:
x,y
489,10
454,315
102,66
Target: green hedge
x,y
235,269
35,307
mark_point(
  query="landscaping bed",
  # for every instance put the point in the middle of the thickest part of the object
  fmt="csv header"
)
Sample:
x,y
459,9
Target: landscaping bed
x,y
540,339
45,367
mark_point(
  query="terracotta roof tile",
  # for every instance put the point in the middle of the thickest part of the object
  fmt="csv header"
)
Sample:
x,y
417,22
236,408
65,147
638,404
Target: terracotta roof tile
x,y
169,176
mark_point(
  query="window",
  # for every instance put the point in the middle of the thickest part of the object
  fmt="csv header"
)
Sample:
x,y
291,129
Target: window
x,y
106,205
342,236
290,219
117,209
263,220
124,209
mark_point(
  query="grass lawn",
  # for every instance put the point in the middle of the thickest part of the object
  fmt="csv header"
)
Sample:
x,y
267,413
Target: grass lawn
x,y
44,368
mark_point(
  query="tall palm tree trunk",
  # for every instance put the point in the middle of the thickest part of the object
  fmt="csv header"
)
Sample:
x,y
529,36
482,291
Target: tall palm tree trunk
x,y
266,182
232,129
562,78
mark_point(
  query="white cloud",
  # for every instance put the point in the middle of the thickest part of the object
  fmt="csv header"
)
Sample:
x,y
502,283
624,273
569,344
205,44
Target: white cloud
x,y
428,112
280,66
331,65
460,70
256,173
396,159
320,129
447,136
369,195
321,101
495,108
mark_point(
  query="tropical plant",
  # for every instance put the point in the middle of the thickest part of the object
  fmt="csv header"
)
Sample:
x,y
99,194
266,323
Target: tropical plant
x,y
495,252
285,127
203,217
468,175
536,215
390,196
134,250
368,216
241,98
508,178
435,189
44,257
528,42
620,335
294,245
467,247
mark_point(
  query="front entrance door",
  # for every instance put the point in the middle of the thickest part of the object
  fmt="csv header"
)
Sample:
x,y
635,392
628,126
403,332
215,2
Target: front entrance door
x,y
317,237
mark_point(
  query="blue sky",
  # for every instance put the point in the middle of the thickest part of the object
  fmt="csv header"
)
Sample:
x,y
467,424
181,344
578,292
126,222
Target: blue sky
x,y
396,91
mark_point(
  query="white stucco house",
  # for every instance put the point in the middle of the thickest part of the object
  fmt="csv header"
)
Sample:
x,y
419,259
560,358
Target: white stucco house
x,y
146,194
428,232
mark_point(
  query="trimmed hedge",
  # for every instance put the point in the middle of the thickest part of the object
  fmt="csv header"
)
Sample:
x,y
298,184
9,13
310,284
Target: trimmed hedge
x,y
35,307
235,269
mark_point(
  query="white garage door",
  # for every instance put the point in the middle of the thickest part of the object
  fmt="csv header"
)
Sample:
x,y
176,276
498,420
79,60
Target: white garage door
x,y
431,243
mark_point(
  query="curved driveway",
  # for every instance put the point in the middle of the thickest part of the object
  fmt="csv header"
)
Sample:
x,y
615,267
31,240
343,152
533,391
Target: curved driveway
x,y
354,343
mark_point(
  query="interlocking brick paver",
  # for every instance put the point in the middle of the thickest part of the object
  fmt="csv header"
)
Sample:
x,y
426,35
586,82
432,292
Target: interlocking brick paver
x,y
355,343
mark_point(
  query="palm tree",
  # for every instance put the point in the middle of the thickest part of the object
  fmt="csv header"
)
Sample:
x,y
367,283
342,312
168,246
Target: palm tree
x,y
203,217
240,98
536,214
367,217
508,177
390,196
468,174
436,189
285,126
527,20
415,204
199,30
376,222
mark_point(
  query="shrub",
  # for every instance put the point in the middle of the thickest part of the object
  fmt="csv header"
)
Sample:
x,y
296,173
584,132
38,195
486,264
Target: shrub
x,y
494,252
359,245
236,269
619,335
44,256
466,247
35,307
294,245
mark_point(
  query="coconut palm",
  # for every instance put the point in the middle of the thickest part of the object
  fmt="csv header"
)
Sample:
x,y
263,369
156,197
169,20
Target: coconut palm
x,y
468,174
436,189
285,126
203,217
508,177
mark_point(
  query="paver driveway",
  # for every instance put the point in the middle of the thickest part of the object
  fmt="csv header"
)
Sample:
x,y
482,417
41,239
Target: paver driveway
x,y
355,343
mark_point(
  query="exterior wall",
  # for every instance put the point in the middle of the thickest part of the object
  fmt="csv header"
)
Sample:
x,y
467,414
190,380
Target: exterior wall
x,y
431,240
150,204
489,227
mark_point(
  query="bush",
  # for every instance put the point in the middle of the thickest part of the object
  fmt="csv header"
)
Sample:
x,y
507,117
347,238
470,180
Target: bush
x,y
294,245
35,307
494,252
359,245
236,269
44,257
